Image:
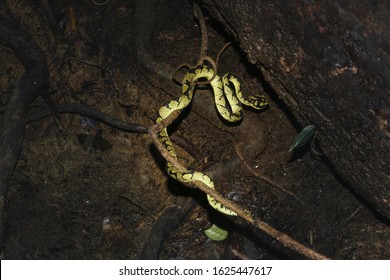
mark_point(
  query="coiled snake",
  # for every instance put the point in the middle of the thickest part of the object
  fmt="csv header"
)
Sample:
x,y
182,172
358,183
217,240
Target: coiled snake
x,y
228,99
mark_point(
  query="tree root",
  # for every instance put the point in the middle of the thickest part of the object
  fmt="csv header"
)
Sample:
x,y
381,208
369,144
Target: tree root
x,y
35,78
84,110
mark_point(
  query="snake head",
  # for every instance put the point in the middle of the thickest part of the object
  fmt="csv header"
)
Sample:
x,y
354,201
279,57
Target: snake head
x,y
258,101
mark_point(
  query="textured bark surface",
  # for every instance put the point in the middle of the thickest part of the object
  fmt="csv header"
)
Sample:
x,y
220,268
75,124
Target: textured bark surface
x,y
329,62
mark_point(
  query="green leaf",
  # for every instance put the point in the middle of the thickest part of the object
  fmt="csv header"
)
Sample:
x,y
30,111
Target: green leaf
x,y
303,137
215,233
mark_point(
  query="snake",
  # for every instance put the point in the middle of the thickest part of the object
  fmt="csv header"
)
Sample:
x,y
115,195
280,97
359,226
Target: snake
x,y
228,99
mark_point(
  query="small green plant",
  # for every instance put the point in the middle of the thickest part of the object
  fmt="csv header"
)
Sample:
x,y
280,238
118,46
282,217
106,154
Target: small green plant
x,y
303,137
215,233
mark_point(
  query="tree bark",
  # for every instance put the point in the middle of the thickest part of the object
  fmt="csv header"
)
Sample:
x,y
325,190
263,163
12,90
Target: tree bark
x,y
329,62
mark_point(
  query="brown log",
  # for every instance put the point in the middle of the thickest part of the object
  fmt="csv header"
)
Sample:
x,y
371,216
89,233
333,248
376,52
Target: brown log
x,y
329,62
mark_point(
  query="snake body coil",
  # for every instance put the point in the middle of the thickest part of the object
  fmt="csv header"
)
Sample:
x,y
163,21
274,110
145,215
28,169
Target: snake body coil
x,y
228,101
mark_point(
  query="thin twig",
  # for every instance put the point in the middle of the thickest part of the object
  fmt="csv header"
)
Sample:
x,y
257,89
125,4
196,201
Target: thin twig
x,y
221,51
350,217
213,65
186,65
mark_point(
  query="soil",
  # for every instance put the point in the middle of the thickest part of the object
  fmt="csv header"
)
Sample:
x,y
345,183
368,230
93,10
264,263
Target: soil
x,y
85,190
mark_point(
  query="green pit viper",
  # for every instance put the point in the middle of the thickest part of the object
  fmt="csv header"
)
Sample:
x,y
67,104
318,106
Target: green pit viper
x,y
228,101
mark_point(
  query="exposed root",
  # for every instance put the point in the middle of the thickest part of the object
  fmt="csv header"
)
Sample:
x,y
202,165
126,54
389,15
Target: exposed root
x,y
34,80
199,16
109,120
221,51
